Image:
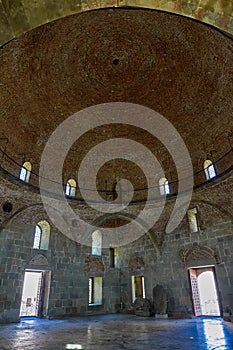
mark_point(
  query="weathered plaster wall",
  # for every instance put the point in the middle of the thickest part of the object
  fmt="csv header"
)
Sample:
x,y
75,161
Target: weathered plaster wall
x,y
19,16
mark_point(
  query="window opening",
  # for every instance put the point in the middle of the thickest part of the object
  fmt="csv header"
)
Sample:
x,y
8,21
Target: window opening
x,y
192,219
95,290
41,235
70,188
25,172
138,287
97,243
164,186
209,169
112,257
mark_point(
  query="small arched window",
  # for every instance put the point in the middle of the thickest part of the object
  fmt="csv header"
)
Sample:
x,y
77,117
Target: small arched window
x,y
209,169
25,171
192,219
164,186
70,188
96,242
41,235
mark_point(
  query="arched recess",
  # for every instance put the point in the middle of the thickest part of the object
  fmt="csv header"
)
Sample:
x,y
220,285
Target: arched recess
x,y
20,211
128,217
39,260
94,264
198,252
215,206
22,16
136,263
196,202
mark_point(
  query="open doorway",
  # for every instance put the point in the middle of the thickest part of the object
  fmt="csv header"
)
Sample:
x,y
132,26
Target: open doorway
x,y
35,295
204,291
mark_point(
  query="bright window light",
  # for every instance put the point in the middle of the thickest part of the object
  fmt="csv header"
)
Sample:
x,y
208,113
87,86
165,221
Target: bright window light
x,y
74,346
214,334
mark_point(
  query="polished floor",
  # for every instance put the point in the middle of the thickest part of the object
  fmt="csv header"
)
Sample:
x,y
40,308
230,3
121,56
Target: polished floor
x,y
112,332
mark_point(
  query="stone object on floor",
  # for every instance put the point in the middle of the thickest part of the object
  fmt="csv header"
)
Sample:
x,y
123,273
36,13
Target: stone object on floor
x,y
143,307
160,301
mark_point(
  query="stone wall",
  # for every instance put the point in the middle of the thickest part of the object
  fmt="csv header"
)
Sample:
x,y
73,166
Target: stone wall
x,y
67,261
161,258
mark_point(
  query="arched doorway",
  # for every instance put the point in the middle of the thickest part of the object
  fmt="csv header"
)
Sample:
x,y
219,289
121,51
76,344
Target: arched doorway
x,y
204,291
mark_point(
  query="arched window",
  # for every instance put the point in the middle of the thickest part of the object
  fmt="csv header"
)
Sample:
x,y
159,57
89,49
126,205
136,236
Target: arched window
x,y
209,169
70,188
41,235
25,171
164,186
96,243
192,219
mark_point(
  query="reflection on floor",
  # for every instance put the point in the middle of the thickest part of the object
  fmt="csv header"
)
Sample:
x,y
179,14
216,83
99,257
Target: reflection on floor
x,y
111,332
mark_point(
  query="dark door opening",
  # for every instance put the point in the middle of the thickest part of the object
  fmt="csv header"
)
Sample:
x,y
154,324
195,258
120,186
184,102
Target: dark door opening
x,y
204,291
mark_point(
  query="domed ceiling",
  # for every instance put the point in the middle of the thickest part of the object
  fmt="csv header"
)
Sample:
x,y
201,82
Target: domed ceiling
x,y
176,66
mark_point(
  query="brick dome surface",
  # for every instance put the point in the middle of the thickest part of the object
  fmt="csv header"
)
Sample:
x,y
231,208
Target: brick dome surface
x,y
176,66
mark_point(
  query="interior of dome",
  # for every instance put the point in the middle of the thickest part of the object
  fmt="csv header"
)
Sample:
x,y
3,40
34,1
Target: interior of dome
x,y
175,66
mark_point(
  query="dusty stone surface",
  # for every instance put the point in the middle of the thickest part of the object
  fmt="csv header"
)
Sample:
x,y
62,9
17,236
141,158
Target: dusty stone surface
x,y
117,332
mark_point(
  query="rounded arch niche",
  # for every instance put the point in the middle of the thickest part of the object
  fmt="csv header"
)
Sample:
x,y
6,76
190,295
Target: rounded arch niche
x,y
123,218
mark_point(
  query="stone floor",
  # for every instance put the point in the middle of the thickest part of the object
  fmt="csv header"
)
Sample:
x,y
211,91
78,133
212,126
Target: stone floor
x,y
111,332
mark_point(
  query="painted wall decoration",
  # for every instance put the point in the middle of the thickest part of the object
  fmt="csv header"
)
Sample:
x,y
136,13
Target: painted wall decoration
x,y
17,17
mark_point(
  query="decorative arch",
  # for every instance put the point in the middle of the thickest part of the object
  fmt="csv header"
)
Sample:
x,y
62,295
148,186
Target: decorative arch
x,y
23,211
198,203
198,252
136,263
94,264
129,217
39,260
